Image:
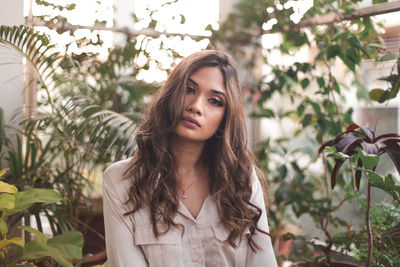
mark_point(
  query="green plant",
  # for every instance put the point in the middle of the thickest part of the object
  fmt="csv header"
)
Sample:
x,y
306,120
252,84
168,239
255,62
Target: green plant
x,y
70,138
359,146
304,100
14,250
393,80
78,134
385,217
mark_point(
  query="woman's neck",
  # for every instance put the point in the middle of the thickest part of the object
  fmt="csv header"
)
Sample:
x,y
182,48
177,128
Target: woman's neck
x,y
191,173
187,154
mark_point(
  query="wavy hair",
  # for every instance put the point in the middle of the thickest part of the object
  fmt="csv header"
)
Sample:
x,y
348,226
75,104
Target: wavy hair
x,y
152,167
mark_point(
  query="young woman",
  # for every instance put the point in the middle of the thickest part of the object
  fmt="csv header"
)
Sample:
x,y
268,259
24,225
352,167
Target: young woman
x,y
190,195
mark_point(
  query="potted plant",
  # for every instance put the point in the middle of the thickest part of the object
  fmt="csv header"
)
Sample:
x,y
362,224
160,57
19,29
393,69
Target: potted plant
x,y
362,149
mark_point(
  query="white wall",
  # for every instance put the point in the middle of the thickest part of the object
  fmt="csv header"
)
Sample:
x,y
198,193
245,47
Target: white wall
x,y
11,75
123,10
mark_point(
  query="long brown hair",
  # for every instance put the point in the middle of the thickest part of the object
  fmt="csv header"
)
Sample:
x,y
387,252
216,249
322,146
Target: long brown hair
x,y
152,167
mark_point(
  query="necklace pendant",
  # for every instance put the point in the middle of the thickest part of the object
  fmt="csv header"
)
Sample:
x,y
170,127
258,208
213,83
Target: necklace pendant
x,y
184,196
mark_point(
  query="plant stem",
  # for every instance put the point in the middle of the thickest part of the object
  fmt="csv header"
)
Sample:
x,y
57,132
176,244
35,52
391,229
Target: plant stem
x,y
324,225
368,223
327,178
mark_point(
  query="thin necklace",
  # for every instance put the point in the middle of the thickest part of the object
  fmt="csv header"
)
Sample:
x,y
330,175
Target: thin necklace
x,y
184,195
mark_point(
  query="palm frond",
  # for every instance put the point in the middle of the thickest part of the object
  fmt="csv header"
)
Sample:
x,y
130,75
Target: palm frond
x,y
109,132
37,50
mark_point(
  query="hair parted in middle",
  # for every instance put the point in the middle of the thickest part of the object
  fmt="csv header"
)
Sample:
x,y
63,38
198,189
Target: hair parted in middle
x,y
231,167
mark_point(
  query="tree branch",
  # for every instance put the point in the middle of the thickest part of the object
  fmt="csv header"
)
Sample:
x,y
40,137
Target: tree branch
x,y
101,27
330,18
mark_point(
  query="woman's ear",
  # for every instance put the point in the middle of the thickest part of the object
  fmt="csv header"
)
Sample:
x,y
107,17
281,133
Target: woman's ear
x,y
218,133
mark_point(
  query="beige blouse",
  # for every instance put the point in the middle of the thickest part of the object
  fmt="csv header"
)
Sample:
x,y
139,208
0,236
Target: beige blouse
x,y
203,243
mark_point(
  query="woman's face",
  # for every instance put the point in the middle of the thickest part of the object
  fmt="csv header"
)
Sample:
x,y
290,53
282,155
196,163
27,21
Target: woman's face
x,y
205,105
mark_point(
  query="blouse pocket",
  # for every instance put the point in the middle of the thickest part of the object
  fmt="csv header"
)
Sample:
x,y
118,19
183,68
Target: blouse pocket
x,y
220,231
231,256
162,250
222,234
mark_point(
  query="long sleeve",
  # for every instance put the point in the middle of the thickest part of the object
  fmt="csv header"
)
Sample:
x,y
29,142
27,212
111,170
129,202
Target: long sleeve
x,y
120,243
266,256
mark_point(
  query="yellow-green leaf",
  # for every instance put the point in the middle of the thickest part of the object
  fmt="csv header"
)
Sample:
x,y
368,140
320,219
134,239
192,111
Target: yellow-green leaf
x,y
69,244
2,172
3,228
25,199
378,94
7,201
41,237
7,188
16,240
36,250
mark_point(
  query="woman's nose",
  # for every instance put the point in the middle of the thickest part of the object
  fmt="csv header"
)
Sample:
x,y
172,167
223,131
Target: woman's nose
x,y
194,106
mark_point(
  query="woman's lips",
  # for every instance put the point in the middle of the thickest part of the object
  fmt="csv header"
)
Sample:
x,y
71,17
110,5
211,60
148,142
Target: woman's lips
x,y
191,122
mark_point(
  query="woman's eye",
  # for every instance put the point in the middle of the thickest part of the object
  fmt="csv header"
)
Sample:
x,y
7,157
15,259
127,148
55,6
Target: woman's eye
x,y
216,102
189,90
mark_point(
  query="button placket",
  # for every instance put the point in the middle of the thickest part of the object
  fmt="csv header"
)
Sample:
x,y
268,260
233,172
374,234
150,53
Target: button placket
x,y
196,244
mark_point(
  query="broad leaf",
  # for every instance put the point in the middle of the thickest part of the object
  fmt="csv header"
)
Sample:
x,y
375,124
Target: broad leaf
x,y
69,244
16,241
375,178
387,56
25,199
7,201
389,181
41,237
7,188
330,150
36,250
369,161
3,227
348,143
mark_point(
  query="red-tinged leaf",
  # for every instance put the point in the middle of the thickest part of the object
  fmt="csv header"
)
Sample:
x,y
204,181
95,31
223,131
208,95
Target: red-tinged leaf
x,y
371,149
336,168
346,142
389,140
394,154
358,174
386,136
370,134
338,137
352,127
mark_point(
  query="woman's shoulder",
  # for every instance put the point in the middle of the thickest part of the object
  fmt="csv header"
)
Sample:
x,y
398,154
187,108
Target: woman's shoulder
x,y
116,170
114,181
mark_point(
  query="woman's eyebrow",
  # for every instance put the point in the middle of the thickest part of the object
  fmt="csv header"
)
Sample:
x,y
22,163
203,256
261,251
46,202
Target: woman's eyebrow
x,y
218,93
213,91
190,80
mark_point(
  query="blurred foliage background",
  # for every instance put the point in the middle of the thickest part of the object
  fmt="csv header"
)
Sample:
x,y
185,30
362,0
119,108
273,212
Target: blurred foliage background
x,y
302,78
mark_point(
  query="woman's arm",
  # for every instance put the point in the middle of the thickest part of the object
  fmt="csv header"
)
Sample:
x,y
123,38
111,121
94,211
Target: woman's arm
x,y
265,256
120,243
